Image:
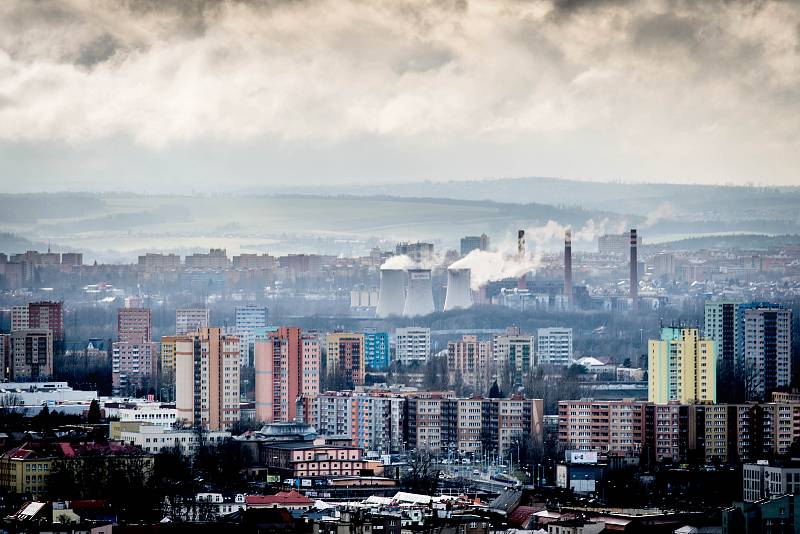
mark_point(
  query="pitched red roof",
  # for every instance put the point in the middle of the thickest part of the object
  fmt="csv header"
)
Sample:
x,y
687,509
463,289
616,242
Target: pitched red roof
x,y
282,497
521,517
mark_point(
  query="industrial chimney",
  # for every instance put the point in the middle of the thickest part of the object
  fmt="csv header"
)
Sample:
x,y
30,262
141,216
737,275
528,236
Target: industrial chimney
x,y
568,267
634,272
392,294
459,294
419,298
521,255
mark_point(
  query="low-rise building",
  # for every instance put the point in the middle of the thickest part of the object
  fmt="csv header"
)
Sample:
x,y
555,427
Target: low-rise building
x,y
154,438
303,459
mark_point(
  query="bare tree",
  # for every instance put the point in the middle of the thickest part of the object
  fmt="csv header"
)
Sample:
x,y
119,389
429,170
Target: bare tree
x,y
422,476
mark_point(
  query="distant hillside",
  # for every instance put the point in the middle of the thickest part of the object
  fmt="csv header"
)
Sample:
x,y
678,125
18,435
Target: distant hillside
x,y
695,202
12,244
740,241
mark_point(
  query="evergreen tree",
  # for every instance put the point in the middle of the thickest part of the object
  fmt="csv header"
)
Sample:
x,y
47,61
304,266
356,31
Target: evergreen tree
x,y
94,412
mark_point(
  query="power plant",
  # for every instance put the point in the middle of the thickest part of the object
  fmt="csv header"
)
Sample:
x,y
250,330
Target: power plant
x,y
568,267
634,272
459,294
419,297
392,294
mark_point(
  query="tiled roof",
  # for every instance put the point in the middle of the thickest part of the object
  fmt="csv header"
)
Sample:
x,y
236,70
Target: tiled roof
x,y
282,497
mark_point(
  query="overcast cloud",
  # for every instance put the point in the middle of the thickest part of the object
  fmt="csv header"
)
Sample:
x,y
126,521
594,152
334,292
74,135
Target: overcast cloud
x,y
156,94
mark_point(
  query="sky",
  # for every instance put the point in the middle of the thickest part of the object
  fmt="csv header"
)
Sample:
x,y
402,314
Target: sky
x,y
216,95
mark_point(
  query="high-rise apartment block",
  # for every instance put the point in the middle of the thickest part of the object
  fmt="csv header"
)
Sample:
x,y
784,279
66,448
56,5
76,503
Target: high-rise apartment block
x,y
605,426
616,243
6,360
374,421
134,357
207,379
287,366
767,350
677,432
134,325
48,315
168,346
419,252
722,326
412,345
514,356
19,318
469,362
376,349
190,320
31,354
249,320
216,259
345,356
159,262
474,242
134,366
440,421
681,367
254,262
554,346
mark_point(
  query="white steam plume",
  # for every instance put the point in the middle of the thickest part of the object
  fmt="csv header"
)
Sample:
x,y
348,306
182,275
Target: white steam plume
x,y
399,262
488,266
665,210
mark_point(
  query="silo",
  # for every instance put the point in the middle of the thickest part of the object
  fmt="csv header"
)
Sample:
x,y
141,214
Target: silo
x,y
419,298
459,294
392,293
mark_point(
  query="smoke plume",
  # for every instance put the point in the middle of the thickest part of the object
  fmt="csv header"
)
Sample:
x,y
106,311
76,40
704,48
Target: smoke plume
x,y
399,262
486,266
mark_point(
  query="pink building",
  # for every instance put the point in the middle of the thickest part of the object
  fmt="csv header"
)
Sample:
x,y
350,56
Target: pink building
x,y
133,366
287,369
133,325
134,357
48,315
616,426
309,460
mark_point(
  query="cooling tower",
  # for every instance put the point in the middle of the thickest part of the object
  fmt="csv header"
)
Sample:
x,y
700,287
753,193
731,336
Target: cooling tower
x,y
419,298
392,295
459,294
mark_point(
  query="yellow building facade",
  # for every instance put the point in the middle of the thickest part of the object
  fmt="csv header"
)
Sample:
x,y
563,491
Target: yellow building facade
x,y
682,367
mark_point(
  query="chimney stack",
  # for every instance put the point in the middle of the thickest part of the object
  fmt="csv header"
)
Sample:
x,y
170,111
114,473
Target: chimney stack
x,y
634,272
521,255
568,267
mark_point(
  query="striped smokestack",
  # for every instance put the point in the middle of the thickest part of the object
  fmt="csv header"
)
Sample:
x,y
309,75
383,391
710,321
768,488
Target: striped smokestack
x,y
634,272
521,255
568,267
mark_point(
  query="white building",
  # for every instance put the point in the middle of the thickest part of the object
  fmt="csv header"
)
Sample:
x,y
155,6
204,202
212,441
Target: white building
x,y
35,394
188,320
249,319
152,413
763,481
19,317
554,346
412,345
154,438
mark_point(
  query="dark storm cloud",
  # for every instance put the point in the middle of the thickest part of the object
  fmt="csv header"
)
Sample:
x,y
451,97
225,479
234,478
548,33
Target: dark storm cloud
x,y
664,80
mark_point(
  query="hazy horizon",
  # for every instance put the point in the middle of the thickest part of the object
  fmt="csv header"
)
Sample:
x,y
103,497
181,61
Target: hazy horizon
x,y
241,95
